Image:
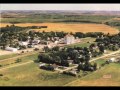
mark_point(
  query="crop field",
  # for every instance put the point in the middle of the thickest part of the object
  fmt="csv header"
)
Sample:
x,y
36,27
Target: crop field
x,y
70,27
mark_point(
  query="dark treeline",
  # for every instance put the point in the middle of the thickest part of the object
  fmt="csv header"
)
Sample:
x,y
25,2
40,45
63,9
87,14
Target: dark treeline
x,y
113,23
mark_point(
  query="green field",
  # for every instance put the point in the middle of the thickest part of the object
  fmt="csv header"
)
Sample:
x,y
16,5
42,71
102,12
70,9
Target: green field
x,y
31,75
83,42
40,18
7,56
24,59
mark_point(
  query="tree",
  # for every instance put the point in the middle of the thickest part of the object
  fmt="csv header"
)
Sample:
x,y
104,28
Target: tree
x,y
46,49
80,67
95,66
73,54
101,48
56,48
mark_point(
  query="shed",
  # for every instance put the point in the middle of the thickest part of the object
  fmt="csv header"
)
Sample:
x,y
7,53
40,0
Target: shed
x,y
112,60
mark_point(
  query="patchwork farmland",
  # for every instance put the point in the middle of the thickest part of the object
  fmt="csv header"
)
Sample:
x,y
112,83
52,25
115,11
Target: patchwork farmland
x,y
69,27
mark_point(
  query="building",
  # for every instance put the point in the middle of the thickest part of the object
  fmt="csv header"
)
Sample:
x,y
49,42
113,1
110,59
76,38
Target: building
x,y
36,42
23,43
69,39
112,60
11,49
56,42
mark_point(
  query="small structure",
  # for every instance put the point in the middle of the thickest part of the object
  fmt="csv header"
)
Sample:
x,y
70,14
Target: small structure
x,y
56,42
36,41
72,72
48,67
23,43
69,39
42,64
11,49
70,62
112,60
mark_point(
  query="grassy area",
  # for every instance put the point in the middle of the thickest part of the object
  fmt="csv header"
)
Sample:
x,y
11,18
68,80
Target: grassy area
x,y
23,59
32,18
96,78
8,56
31,75
83,43
79,45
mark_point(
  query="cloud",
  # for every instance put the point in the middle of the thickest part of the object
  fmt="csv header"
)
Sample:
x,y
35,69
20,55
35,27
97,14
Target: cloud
x,y
60,7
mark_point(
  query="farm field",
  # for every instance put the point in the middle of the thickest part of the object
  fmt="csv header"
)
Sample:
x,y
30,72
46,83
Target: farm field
x,y
75,27
96,78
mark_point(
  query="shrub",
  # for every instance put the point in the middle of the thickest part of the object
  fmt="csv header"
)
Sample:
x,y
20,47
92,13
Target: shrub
x,y
1,74
0,65
18,60
6,78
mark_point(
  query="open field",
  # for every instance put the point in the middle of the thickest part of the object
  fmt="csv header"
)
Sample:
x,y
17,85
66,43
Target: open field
x,y
32,17
70,27
96,78
8,56
83,42
31,75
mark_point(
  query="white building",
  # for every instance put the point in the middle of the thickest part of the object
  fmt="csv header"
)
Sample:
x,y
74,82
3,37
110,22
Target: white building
x,y
23,43
36,41
56,42
69,39
112,60
11,49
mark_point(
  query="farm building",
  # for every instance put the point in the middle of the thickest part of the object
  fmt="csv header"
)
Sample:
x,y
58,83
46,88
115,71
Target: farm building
x,y
112,60
36,41
23,43
70,61
48,67
56,42
11,49
69,39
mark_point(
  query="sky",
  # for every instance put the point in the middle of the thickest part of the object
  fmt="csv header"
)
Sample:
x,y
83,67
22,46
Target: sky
x,y
98,7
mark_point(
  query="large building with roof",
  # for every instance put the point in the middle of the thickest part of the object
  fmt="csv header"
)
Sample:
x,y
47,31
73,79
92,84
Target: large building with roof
x,y
69,39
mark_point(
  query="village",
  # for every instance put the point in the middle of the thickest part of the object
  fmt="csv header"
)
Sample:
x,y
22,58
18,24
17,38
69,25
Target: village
x,y
61,57
60,45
